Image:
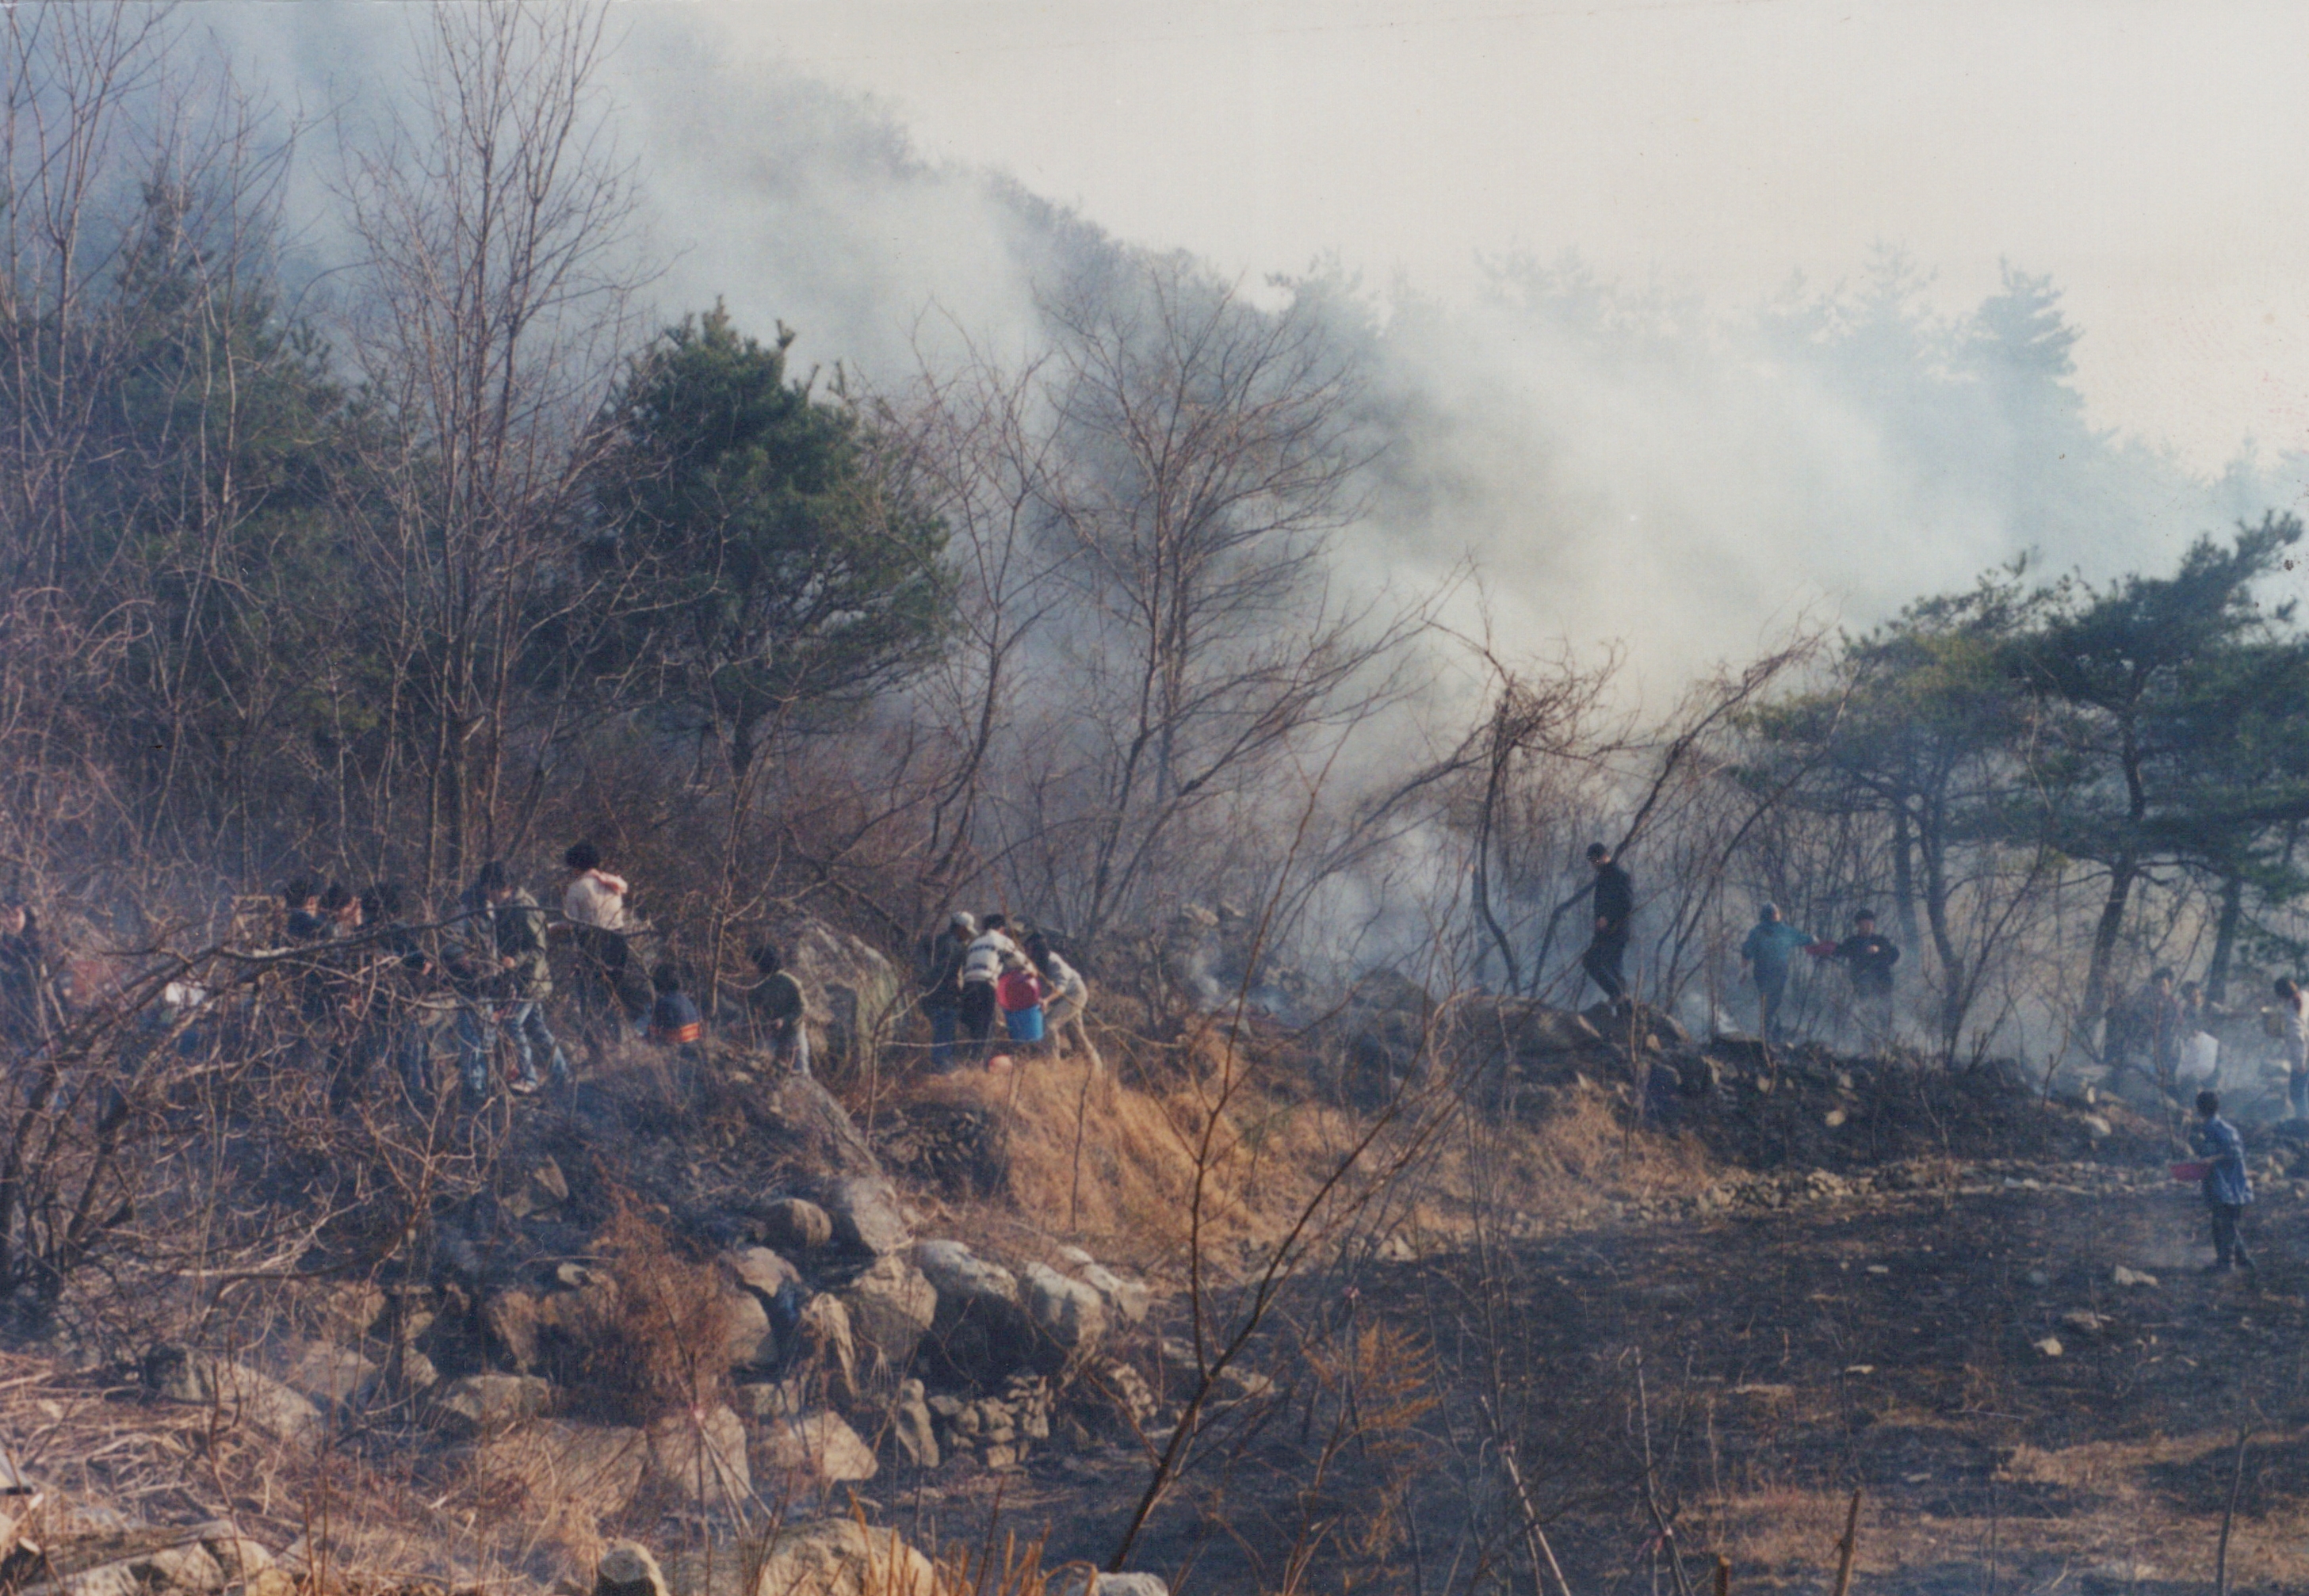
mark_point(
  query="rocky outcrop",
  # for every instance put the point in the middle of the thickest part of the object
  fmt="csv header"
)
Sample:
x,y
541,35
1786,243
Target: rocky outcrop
x,y
998,1431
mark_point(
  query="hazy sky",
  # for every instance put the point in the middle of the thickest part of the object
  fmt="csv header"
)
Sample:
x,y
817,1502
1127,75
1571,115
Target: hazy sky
x,y
2153,159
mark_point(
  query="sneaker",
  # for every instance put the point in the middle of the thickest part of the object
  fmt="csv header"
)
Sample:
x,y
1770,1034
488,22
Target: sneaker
x,y
527,1086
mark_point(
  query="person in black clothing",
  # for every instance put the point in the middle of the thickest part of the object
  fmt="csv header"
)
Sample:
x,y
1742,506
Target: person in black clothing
x,y
1615,907
302,898
399,974
1868,959
22,975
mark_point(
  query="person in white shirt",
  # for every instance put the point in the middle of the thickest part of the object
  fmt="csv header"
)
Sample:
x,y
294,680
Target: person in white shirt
x,y
594,905
1069,996
981,966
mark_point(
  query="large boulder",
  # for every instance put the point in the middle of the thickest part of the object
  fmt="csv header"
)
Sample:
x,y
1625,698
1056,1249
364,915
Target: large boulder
x,y
840,1556
185,1375
852,998
818,1446
867,1216
891,1309
1068,1313
981,1332
1125,1299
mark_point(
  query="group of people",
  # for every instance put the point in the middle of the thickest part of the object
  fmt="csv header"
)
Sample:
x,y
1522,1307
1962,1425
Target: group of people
x,y
976,974
1767,956
371,987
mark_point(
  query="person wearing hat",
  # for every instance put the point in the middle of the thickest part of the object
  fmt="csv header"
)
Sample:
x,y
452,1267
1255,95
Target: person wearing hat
x,y
1771,945
939,967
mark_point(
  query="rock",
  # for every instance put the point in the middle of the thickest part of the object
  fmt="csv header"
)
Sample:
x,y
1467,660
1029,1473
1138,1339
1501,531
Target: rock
x,y
595,1468
626,1568
750,1340
961,1277
2050,1346
2085,1323
766,1400
911,1426
793,1225
840,1556
1067,1312
695,1457
891,1309
818,1444
799,1129
1109,1584
981,1332
329,1375
241,1558
480,1405
180,1374
866,1215
512,1318
851,996
824,1329
351,1310
2123,1276
2097,1127
1125,1299
763,1272
187,1568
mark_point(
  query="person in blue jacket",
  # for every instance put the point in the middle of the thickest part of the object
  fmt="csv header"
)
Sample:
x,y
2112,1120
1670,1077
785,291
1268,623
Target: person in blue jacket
x,y
1768,952
2227,1187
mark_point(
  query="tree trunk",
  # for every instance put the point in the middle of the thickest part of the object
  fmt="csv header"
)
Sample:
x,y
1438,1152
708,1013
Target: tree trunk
x,y
1904,873
2216,973
2121,875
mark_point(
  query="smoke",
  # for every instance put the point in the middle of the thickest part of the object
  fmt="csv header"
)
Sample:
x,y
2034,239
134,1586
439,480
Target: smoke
x,y
1622,465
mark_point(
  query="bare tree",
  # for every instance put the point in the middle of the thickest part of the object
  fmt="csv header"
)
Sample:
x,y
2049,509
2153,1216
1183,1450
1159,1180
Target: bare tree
x,y
496,221
1209,455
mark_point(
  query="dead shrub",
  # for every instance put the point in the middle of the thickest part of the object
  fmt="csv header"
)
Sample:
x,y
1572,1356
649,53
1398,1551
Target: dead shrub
x,y
650,1334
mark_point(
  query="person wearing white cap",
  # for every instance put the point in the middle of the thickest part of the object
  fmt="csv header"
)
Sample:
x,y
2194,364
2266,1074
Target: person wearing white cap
x,y
939,967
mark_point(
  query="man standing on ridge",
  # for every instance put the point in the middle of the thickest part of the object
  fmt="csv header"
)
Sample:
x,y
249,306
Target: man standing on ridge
x,y
1615,908
1868,959
1766,953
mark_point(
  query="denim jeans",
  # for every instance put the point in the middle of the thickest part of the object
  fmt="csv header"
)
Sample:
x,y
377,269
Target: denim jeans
x,y
477,1038
2296,1088
944,1024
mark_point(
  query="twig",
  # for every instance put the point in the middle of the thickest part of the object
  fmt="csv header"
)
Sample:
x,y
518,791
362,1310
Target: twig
x,y
2228,1515
1847,1545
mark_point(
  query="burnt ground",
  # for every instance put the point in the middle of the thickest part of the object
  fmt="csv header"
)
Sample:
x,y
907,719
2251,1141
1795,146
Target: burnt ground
x,y
1893,1343
1902,1346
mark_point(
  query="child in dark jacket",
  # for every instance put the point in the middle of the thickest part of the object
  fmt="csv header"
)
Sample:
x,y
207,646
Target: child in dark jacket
x,y
674,1020
2227,1186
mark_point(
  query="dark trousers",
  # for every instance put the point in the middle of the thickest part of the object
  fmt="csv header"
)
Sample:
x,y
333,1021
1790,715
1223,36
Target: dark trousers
x,y
2228,1246
1602,963
1771,992
978,1010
